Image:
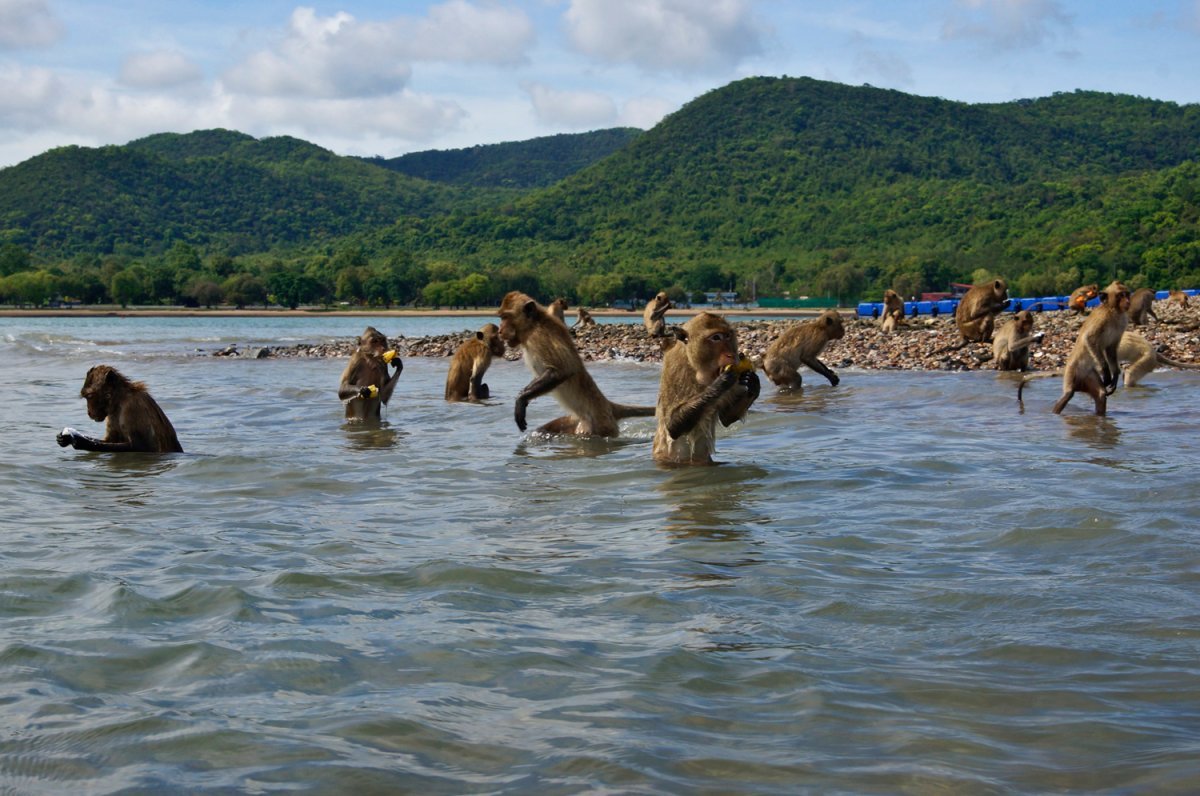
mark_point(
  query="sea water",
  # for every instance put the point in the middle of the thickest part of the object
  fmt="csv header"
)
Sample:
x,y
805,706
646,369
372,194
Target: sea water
x,y
908,583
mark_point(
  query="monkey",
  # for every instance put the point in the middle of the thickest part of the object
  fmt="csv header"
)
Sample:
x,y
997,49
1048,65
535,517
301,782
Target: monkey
x,y
801,345
976,312
703,380
1177,297
1080,296
1142,358
464,382
366,386
654,316
557,308
584,318
1092,364
893,312
135,422
557,368
1141,305
1010,345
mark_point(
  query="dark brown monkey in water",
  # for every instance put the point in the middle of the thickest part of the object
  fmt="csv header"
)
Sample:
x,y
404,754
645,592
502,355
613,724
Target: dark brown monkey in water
x,y
654,316
557,369
704,379
976,313
1092,366
135,422
464,382
893,312
1010,346
801,345
1141,306
1080,296
366,386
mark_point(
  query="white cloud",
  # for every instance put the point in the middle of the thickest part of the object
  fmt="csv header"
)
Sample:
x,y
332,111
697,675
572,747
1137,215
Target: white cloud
x,y
339,56
883,69
27,24
28,97
405,115
645,112
159,69
664,35
1007,24
577,109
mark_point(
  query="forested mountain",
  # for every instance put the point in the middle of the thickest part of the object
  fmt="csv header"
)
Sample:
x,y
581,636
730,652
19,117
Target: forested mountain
x,y
535,163
769,185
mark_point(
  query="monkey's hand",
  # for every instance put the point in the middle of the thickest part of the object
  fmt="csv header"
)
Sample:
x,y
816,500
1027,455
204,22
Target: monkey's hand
x,y
67,437
749,381
370,391
519,407
1039,337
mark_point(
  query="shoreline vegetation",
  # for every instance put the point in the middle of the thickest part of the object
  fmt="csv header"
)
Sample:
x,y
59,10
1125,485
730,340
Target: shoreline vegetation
x,y
922,343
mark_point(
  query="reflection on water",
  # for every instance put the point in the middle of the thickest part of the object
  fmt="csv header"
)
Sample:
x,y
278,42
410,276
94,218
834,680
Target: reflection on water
x,y
901,584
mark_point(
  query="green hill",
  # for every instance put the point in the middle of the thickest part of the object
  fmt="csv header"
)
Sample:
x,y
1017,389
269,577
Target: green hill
x,y
535,163
768,185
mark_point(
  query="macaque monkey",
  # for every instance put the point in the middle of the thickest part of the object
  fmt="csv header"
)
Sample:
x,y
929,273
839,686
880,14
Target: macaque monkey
x,y
893,312
464,382
135,423
801,345
704,379
1080,296
557,368
366,386
1092,366
584,318
1142,358
1141,305
558,308
1010,346
655,315
1177,297
976,312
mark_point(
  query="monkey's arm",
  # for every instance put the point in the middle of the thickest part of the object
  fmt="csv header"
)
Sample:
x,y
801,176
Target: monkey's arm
x,y
544,383
990,309
348,389
82,442
736,409
389,384
685,417
820,367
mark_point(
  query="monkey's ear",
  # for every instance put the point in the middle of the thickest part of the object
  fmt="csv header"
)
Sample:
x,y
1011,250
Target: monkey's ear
x,y
530,307
479,335
110,376
997,285
680,334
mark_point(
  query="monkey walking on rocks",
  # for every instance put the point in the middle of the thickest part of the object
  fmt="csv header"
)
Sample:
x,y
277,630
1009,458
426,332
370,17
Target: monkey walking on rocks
x,y
801,345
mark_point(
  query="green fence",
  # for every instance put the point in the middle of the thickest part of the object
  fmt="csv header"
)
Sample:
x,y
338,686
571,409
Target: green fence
x,y
795,304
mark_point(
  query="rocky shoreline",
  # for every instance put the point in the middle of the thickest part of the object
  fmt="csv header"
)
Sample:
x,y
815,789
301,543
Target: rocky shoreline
x,y
920,344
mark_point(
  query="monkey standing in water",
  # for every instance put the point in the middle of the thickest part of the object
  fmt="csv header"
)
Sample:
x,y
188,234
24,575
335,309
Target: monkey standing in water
x,y
366,386
1092,366
655,315
801,345
1010,346
464,382
557,368
135,423
703,380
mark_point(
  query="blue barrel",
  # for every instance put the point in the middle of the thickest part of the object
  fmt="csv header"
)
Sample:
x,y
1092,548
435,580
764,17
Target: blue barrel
x,y
1162,294
925,307
869,309
946,306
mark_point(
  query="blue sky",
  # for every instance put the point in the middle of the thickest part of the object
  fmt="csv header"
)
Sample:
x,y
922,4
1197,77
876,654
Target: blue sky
x,y
376,78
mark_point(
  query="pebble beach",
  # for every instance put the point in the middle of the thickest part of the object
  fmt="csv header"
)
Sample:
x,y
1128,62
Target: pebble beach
x,y
922,343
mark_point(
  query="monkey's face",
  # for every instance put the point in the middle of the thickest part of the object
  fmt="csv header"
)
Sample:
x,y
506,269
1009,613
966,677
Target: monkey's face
x,y
834,328
711,347
96,395
1024,322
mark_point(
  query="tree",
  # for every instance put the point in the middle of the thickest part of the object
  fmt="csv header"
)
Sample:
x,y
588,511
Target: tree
x,y
243,289
843,281
128,286
13,259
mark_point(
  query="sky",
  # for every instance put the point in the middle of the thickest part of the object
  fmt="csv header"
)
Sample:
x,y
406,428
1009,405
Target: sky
x,y
361,77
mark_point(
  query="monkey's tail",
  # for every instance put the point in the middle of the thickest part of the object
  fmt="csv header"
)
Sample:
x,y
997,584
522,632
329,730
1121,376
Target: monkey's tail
x,y
1034,377
1175,364
621,411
